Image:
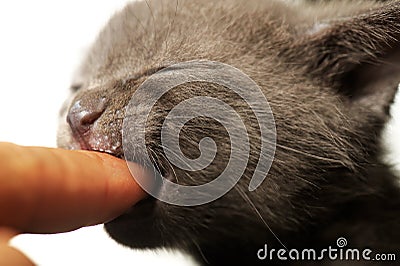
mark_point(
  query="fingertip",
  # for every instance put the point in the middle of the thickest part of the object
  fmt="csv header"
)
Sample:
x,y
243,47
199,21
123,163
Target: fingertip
x,y
11,256
8,254
46,190
6,234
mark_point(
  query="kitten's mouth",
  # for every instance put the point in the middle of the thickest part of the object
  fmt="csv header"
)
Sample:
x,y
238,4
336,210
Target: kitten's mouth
x,y
112,146
98,143
119,155
145,207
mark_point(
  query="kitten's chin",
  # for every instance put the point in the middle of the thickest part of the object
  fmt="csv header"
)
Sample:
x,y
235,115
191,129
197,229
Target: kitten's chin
x,y
137,227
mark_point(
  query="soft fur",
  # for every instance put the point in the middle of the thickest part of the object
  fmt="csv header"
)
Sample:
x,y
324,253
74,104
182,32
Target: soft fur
x,y
329,71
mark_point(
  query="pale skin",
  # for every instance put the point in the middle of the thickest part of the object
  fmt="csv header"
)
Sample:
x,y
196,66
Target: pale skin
x,y
45,190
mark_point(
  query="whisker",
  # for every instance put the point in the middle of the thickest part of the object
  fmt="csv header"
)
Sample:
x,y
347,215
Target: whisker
x,y
170,150
154,20
145,31
200,251
298,177
254,208
311,155
171,25
155,161
170,166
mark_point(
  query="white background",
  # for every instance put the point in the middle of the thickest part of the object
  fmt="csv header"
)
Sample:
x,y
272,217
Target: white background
x,y
41,43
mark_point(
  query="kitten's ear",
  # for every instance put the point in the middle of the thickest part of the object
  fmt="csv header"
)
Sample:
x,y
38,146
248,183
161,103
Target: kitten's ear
x,y
358,56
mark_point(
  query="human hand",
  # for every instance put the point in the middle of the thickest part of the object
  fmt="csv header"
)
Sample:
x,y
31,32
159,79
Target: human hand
x,y
44,190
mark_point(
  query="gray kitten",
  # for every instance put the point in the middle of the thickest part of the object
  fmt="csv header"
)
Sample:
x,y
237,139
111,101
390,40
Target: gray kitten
x,y
330,72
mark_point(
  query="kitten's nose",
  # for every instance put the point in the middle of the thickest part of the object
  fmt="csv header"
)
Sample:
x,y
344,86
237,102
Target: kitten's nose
x,y
84,113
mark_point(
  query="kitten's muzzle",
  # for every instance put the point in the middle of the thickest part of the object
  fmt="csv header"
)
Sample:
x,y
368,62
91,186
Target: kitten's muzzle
x,y
84,113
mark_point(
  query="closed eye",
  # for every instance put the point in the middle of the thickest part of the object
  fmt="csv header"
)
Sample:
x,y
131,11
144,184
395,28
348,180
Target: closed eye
x,y
75,87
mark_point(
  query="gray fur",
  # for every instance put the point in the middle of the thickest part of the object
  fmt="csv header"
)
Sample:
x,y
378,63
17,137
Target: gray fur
x,y
329,72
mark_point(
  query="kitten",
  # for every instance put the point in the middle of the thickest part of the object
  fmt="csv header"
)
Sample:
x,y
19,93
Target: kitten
x,y
329,71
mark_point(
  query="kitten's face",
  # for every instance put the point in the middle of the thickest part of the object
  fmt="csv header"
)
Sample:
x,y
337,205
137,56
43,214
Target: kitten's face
x,y
323,137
